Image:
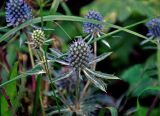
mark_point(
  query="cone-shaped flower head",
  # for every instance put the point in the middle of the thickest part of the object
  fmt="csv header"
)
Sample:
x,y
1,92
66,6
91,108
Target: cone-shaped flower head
x,y
17,12
154,27
38,37
80,54
91,28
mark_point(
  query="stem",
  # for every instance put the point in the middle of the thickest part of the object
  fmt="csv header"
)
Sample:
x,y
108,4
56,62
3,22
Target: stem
x,y
77,91
152,105
95,54
42,110
50,78
36,98
31,58
158,60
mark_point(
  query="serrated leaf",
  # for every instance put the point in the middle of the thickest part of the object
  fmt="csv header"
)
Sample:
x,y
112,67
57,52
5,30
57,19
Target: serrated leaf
x,y
101,75
61,62
100,58
56,52
97,82
64,76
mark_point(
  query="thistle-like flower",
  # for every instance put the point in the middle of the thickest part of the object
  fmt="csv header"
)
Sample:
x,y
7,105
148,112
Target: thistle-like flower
x,y
91,28
17,12
80,59
38,38
80,54
154,27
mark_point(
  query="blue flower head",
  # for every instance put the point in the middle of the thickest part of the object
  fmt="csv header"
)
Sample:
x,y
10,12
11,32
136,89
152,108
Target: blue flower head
x,y
80,54
154,27
17,12
91,28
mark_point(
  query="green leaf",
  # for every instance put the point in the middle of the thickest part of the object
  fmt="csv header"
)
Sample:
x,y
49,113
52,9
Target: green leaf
x,y
116,31
150,88
54,6
137,79
11,91
34,71
141,111
113,111
97,82
101,75
65,18
113,9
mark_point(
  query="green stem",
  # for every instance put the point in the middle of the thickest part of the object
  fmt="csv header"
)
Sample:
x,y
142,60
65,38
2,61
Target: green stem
x,y
50,78
42,109
77,91
0,104
37,94
158,61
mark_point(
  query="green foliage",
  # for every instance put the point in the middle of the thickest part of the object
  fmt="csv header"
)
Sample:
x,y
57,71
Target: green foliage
x,y
118,9
137,79
11,91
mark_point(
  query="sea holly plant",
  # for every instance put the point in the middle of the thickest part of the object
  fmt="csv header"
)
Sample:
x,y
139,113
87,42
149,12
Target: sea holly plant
x,y
80,59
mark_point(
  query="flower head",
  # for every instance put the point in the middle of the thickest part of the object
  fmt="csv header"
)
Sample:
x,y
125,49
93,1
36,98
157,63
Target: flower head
x,y
17,12
38,37
80,54
91,28
154,27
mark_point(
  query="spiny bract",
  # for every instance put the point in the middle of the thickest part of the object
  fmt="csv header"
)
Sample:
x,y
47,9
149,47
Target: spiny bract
x,y
154,27
91,28
80,54
17,12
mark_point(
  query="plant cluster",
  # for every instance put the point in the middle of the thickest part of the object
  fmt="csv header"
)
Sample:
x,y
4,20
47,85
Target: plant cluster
x,y
61,72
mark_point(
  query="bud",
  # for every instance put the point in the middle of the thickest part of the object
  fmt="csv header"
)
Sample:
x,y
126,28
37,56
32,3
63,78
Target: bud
x,y
38,37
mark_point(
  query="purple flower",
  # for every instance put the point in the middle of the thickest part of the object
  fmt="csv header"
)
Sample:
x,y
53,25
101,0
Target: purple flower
x,y
91,28
154,27
17,12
